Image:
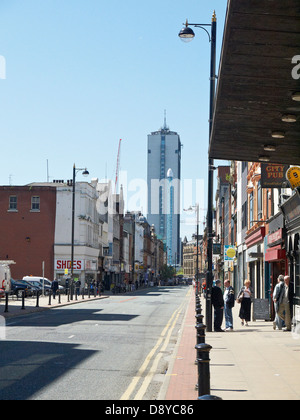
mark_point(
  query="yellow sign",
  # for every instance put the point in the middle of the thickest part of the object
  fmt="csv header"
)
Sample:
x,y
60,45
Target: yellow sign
x,y
229,252
293,176
66,271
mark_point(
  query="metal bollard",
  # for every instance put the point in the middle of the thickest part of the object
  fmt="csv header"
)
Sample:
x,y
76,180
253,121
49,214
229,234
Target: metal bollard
x,y
59,297
49,304
203,351
6,302
199,318
210,398
23,299
200,335
198,309
37,299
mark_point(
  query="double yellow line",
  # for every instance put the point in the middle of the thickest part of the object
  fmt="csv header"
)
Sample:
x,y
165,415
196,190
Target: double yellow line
x,y
163,340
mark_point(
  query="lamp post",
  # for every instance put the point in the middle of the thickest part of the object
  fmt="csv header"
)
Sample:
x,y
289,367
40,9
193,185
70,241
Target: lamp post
x,y
84,173
187,34
196,208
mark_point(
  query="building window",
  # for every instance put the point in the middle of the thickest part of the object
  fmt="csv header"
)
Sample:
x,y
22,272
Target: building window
x,y
35,203
251,210
244,215
13,203
259,201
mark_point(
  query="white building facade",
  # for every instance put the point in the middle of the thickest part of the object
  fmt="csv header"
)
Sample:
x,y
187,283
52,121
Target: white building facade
x,y
87,228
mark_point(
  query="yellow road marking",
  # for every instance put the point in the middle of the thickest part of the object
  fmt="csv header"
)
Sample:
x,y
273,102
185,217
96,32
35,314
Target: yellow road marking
x,y
144,366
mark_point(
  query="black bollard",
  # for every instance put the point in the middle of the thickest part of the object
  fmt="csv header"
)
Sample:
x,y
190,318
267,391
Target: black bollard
x,y
59,297
210,398
198,309
23,299
49,304
37,299
203,351
200,335
6,303
199,318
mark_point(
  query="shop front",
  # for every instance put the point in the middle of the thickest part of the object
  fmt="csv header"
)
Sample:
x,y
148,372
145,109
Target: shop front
x,y
276,262
84,270
291,212
255,261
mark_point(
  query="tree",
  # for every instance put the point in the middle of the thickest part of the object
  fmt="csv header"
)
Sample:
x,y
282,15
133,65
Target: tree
x,y
167,272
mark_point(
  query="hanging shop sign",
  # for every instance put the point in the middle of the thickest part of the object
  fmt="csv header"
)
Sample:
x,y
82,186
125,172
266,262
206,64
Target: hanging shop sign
x,y
229,252
273,175
293,176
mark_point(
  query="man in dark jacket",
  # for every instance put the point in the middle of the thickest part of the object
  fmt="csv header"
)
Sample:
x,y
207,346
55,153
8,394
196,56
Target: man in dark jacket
x,y
54,287
218,303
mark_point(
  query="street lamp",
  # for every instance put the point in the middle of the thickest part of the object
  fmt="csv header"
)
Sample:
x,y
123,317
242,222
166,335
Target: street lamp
x,y
187,34
196,208
84,173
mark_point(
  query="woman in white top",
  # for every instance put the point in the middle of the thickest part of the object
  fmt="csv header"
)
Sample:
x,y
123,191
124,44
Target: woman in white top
x,y
245,296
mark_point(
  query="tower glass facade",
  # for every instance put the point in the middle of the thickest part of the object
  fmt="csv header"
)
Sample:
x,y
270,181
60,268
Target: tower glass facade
x,y
164,154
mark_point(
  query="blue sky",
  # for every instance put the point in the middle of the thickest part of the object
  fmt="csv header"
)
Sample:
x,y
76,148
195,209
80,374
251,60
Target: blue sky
x,y
80,75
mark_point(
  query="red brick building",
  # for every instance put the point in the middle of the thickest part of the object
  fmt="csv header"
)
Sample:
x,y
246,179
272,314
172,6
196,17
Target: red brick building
x,y
27,229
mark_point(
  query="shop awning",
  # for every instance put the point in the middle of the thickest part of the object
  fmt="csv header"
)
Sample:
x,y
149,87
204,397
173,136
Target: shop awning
x,y
275,254
257,80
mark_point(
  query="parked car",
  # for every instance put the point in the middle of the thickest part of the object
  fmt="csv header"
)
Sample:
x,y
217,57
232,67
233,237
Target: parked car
x,y
33,288
17,288
43,281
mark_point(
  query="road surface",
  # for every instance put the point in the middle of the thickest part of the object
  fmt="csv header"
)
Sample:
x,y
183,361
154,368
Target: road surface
x,y
112,349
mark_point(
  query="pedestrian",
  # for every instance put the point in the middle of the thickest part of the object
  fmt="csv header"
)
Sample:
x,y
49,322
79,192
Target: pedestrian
x,y
204,288
78,286
285,301
54,287
245,299
228,305
218,304
278,290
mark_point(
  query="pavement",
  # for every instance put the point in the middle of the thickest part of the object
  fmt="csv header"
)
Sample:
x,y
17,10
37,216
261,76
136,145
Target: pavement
x,y
15,305
249,363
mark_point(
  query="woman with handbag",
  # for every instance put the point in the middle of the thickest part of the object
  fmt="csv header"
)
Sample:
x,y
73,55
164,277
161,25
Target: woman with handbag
x,y
245,299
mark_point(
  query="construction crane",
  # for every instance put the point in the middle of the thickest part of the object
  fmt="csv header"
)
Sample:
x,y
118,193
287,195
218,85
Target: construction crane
x,y
118,166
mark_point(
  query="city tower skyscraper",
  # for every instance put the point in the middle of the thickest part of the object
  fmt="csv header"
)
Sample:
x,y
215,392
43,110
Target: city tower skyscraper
x,y
164,155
